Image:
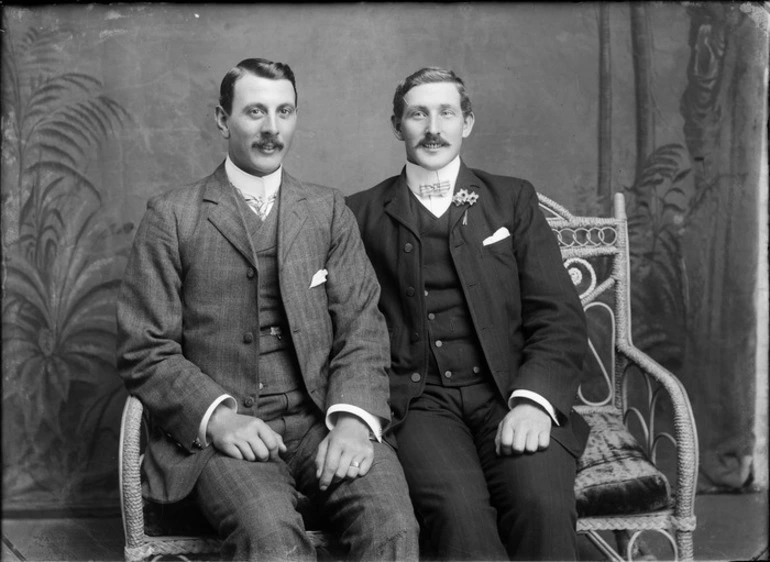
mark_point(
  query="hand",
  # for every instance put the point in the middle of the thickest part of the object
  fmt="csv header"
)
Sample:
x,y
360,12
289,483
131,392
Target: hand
x,y
526,427
345,453
243,437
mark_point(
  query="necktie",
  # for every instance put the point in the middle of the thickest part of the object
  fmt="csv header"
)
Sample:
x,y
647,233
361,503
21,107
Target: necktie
x,y
259,205
439,188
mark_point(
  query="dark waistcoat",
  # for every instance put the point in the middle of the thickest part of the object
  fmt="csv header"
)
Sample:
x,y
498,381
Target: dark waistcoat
x,y
456,358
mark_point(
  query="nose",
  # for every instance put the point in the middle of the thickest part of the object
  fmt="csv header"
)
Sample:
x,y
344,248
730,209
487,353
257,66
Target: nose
x,y
270,124
433,124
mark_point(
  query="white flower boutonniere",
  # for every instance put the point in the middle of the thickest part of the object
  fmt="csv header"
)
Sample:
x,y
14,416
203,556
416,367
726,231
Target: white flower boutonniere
x,y
463,197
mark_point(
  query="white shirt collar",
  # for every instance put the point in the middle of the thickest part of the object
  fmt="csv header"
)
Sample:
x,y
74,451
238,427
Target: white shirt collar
x,y
263,187
417,175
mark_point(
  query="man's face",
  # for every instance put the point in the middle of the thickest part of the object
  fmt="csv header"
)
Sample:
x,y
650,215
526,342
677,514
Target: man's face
x,y
261,123
432,126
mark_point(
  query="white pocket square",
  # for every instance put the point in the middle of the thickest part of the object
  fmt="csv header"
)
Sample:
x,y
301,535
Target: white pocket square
x,y
319,278
501,234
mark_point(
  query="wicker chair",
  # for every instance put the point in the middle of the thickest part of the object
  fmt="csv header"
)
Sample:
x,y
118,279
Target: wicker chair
x,y
619,489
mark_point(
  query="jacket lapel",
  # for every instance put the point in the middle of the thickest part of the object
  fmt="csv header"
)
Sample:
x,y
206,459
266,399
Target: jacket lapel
x,y
397,204
468,181
226,215
292,214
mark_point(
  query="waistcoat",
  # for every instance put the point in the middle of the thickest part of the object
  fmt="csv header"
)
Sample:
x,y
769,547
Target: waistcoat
x,y
279,370
456,355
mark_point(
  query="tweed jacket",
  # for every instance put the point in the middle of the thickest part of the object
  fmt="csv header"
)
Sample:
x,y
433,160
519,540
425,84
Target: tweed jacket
x,y
188,327
522,302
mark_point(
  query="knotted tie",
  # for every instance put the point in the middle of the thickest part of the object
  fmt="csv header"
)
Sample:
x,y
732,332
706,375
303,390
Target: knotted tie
x,y
438,188
258,205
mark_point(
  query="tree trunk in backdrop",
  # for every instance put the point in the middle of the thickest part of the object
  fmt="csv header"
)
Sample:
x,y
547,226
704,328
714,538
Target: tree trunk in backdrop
x,y
604,190
721,108
640,47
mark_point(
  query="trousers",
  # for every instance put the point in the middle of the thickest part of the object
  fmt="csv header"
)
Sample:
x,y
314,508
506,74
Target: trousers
x,y
253,505
473,504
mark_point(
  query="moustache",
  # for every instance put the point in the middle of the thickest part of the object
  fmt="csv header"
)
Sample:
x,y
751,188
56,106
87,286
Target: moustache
x,y
433,139
268,142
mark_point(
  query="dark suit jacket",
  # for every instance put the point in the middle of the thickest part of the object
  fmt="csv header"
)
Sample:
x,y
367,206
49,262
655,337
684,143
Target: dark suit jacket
x,y
188,327
523,304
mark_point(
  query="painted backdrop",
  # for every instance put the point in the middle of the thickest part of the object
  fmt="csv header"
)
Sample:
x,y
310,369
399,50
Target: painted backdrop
x,y
104,106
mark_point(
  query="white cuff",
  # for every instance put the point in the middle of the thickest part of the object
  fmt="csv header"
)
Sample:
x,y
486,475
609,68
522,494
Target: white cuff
x,y
535,397
231,403
373,422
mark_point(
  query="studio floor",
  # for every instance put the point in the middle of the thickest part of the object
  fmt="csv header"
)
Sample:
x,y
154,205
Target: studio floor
x,y
730,527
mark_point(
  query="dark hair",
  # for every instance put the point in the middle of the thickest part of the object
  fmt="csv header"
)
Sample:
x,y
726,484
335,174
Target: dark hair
x,y
258,67
430,75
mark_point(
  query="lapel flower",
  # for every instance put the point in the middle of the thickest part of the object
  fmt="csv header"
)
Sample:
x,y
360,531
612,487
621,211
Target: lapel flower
x,y
463,197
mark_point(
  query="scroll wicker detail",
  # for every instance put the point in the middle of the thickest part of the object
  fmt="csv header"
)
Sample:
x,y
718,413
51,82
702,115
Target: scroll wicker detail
x,y
619,487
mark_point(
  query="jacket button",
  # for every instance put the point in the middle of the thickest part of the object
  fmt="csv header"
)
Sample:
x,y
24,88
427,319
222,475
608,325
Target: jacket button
x,y
248,337
431,316
408,247
248,402
415,377
415,336
250,273
476,370
410,291
439,343
448,374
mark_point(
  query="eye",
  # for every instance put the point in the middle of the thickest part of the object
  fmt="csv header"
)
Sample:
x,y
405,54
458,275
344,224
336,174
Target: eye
x,y
448,113
417,114
286,111
255,112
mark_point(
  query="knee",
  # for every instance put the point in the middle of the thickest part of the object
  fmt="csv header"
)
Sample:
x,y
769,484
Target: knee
x,y
543,508
255,527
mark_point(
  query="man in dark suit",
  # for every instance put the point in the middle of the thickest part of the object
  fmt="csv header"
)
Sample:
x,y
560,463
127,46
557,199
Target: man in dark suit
x,y
487,339
248,327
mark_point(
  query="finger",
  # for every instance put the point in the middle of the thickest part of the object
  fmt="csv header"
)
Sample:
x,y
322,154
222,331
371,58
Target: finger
x,y
533,440
506,439
281,446
544,439
366,463
354,470
331,464
498,439
272,441
231,451
519,440
246,452
344,466
320,457
260,451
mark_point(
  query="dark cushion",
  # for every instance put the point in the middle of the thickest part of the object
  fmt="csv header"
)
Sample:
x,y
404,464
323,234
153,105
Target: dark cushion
x,y
615,476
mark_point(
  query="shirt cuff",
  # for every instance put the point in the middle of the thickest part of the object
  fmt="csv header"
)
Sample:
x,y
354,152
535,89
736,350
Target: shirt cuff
x,y
538,399
231,403
374,423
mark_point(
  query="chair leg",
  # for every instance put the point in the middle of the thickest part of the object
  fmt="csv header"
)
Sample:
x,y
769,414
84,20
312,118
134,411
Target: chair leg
x,y
685,545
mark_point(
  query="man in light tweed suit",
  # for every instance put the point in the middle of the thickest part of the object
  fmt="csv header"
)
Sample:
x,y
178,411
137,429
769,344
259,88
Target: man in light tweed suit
x,y
248,327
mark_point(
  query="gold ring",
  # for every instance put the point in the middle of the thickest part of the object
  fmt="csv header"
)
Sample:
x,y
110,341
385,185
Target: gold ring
x,y
355,464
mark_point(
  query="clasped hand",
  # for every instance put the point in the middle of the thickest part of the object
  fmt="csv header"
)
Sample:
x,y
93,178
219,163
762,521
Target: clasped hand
x,y
525,428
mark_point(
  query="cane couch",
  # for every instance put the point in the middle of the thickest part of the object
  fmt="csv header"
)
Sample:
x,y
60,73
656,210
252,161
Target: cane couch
x,y
620,491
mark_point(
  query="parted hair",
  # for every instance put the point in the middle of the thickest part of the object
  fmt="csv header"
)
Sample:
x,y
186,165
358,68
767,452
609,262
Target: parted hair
x,y
430,75
259,67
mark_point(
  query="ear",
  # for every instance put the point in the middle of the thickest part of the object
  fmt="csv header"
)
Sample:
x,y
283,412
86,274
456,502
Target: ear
x,y
468,121
395,123
222,122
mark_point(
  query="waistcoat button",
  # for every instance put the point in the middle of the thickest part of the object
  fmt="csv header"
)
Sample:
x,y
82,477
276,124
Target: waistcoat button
x,y
410,291
248,402
408,247
448,374
439,343
250,273
248,337
415,377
